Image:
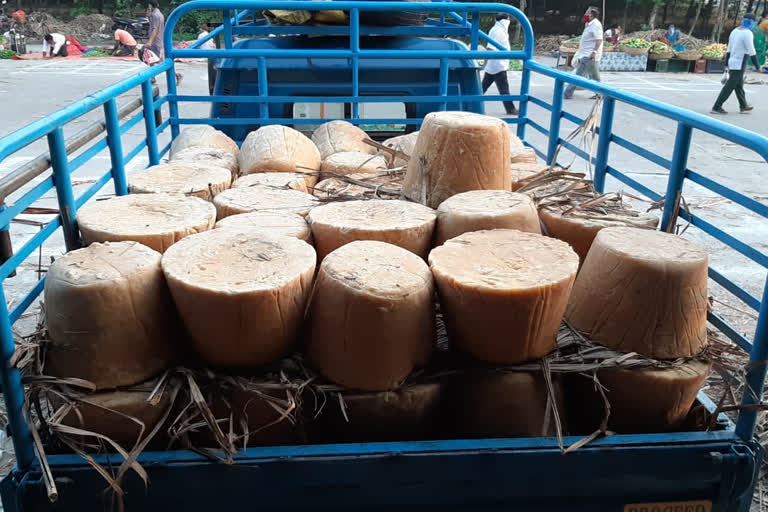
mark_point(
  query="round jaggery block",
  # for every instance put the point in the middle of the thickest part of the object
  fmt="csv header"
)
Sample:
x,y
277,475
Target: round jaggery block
x,y
522,171
203,136
642,400
485,209
109,315
642,291
251,199
278,180
352,162
155,220
340,136
276,148
240,295
579,230
181,178
371,320
409,413
253,411
402,223
287,224
124,416
403,143
209,157
503,292
457,152
499,403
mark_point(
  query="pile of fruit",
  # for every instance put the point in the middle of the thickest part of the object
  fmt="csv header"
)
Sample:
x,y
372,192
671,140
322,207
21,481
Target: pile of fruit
x,y
714,51
660,47
6,54
635,42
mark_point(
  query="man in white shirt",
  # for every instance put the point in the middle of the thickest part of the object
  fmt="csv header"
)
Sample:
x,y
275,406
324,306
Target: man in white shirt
x,y
496,69
54,45
741,48
587,58
204,31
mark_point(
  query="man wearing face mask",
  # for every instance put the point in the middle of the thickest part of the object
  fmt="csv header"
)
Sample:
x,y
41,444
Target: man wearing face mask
x,y
741,48
590,51
496,69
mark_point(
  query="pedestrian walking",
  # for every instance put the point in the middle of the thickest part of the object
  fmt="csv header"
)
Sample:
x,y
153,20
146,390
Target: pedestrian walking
x,y
741,48
156,28
587,58
496,69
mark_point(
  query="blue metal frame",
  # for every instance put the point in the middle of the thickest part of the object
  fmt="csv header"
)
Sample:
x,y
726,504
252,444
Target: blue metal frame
x,y
735,440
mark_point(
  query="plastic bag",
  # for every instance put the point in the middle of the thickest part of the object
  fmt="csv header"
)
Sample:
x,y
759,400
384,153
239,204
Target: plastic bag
x,y
724,78
149,57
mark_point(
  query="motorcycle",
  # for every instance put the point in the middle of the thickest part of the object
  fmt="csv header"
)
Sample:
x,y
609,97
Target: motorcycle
x,y
137,27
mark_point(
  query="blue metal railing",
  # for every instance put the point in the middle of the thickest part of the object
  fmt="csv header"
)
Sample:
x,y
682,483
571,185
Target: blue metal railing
x,y
465,24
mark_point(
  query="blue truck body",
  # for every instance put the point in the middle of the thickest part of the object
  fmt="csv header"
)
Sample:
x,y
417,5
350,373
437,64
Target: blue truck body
x,y
696,471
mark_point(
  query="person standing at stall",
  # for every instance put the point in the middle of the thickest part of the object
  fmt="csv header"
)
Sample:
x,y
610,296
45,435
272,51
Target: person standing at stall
x,y
587,58
741,48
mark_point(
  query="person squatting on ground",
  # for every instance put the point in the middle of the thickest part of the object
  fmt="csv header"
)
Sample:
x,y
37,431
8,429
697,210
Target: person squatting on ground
x,y
125,44
496,69
55,45
741,48
587,58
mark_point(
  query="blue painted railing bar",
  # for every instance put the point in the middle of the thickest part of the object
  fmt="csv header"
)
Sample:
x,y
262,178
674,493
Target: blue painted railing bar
x,y
756,371
115,148
743,295
28,300
94,189
540,103
737,197
63,183
729,331
632,183
343,99
13,392
604,142
676,175
555,121
642,152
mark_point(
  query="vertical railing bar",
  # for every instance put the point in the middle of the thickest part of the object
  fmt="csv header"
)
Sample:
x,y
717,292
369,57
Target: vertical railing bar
x,y
604,142
263,87
756,371
13,393
475,34
173,105
444,82
554,121
676,175
63,183
149,120
354,42
525,87
115,145
227,29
